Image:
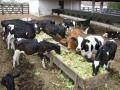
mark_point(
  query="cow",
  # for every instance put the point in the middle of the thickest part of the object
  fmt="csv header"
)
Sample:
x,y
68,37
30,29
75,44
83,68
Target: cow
x,y
85,26
31,46
8,81
104,56
89,45
112,34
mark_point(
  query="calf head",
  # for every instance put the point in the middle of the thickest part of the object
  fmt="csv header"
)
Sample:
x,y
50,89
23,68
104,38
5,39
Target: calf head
x,y
37,28
56,48
8,82
84,24
7,30
79,40
72,43
48,46
85,47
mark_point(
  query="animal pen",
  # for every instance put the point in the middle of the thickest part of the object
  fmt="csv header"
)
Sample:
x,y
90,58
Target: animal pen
x,y
35,70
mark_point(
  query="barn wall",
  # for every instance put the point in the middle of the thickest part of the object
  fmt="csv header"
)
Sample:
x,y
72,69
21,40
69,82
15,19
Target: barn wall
x,y
34,7
71,4
47,5
67,4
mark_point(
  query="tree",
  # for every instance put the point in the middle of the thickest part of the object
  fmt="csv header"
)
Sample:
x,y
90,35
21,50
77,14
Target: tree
x,y
114,5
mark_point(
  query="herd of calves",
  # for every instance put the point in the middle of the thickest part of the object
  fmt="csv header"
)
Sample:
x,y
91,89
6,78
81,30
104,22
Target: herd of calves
x,y
19,35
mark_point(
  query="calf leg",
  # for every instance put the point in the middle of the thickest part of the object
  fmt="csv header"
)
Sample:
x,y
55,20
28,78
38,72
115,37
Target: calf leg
x,y
12,44
108,67
43,63
16,57
9,37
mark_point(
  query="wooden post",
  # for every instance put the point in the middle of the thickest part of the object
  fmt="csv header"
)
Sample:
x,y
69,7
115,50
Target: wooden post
x,y
80,5
71,4
22,8
2,9
76,83
28,8
93,5
101,6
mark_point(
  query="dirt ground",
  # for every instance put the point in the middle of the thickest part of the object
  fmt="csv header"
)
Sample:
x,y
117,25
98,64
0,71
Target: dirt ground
x,y
34,77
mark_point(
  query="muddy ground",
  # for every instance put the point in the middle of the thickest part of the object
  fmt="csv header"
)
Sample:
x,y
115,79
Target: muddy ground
x,y
34,77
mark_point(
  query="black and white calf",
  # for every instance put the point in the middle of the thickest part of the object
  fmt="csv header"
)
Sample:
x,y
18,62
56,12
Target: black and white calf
x,y
32,46
42,23
68,24
20,24
89,45
112,34
8,81
104,56
19,32
55,30
85,26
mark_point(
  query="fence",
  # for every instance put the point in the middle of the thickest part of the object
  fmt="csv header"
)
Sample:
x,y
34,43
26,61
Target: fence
x,y
104,11
14,8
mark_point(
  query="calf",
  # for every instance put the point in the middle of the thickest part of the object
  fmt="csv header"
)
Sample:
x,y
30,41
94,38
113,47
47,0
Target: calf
x,y
89,45
19,23
105,54
8,81
68,24
85,26
18,32
55,30
32,46
42,23
112,34
72,38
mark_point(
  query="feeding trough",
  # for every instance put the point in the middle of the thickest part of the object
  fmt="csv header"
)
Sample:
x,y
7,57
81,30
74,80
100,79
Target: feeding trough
x,y
75,67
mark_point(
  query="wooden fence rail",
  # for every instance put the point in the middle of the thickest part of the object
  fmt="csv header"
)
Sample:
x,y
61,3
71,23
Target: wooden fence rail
x,y
14,8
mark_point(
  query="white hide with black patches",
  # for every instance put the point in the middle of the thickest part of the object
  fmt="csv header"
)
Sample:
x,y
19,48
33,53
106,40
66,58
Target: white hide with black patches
x,y
105,35
92,43
86,30
11,26
96,63
79,39
87,53
74,23
35,26
10,36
